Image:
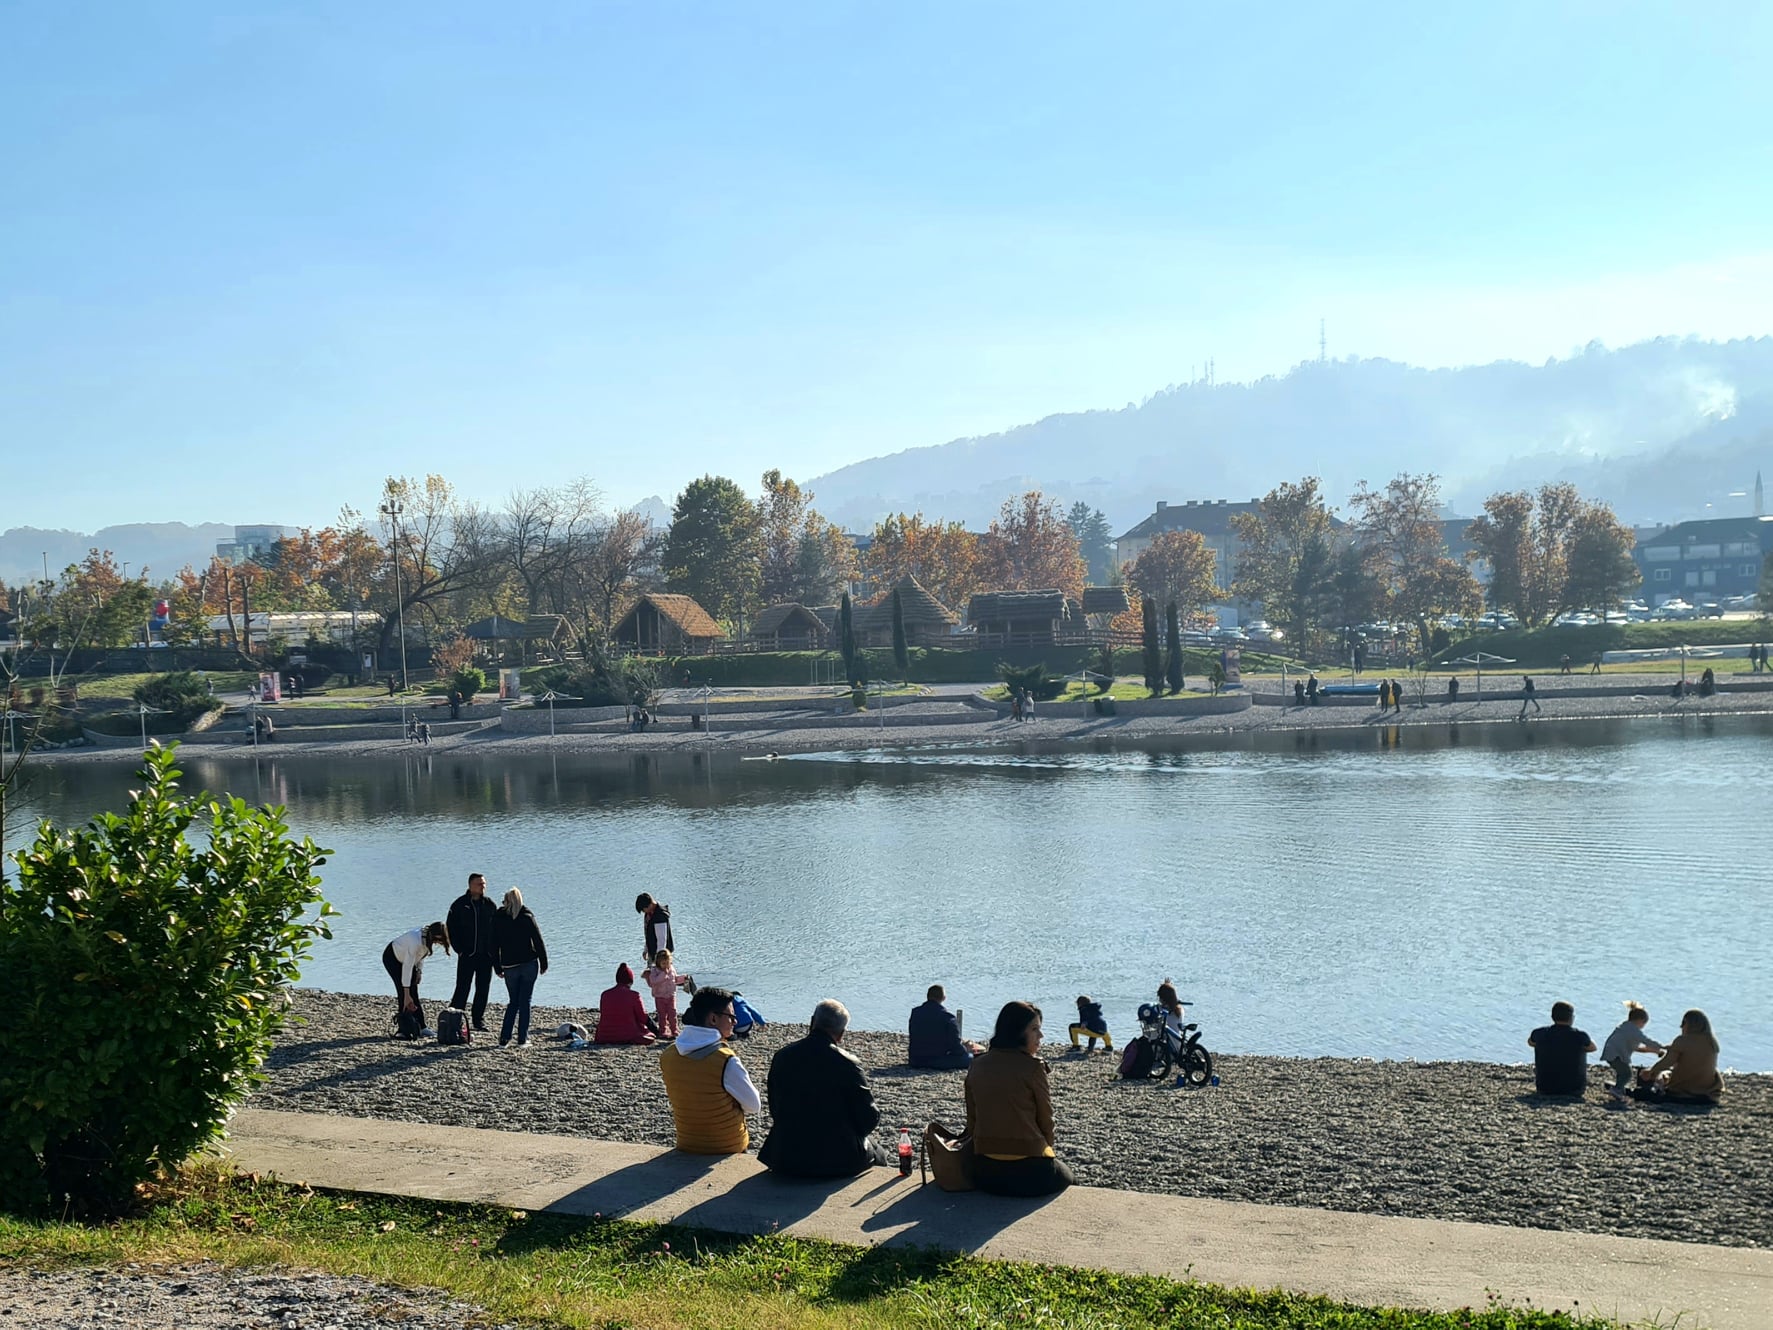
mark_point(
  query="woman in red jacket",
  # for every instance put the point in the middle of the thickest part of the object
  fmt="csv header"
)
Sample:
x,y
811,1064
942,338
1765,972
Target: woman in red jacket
x,y
621,1015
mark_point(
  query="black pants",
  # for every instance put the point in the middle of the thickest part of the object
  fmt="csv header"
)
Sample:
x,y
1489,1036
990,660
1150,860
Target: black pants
x,y
475,970
1040,1176
391,963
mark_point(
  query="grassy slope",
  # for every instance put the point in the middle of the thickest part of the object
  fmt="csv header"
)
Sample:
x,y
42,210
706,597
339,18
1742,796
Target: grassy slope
x,y
604,1273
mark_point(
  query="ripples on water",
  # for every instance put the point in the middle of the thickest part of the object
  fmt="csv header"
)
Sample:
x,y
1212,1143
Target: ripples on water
x,y
1386,893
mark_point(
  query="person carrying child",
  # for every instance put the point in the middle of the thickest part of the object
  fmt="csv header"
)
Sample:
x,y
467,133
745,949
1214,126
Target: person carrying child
x,y
664,981
1626,1039
1091,1023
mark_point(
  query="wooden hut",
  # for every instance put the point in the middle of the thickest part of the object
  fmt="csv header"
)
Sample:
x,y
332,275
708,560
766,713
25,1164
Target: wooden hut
x,y
1036,617
662,622
539,633
1106,600
928,622
789,626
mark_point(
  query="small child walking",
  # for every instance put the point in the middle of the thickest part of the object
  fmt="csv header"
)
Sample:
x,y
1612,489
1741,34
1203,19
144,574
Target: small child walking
x,y
664,981
1091,1023
1627,1039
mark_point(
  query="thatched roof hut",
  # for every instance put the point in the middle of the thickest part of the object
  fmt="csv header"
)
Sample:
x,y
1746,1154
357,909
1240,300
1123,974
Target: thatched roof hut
x,y
928,621
1109,600
789,626
659,621
1017,613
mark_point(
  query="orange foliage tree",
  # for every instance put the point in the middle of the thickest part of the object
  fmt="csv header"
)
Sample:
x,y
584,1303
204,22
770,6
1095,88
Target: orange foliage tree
x,y
942,556
1177,568
1031,547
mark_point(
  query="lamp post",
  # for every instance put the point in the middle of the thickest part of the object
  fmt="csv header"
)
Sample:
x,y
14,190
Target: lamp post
x,y
391,509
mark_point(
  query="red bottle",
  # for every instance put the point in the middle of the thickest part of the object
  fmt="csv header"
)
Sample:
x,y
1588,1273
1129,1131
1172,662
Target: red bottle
x,y
904,1152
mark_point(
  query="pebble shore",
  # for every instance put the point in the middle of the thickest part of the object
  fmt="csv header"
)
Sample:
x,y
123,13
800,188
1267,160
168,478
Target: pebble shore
x,y
1444,1140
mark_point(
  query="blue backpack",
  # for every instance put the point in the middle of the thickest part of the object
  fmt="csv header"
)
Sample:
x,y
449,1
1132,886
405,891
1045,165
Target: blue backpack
x,y
745,1018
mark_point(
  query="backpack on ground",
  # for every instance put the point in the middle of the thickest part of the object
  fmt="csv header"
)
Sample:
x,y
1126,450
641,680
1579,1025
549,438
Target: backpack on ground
x,y
948,1158
409,1024
453,1027
1136,1059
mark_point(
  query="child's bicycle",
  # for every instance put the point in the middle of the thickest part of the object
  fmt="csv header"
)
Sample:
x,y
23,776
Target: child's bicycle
x,y
1182,1054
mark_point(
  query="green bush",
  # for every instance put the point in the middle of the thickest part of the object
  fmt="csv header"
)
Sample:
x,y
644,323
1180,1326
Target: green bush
x,y
1032,677
603,680
148,973
468,681
182,695
1543,648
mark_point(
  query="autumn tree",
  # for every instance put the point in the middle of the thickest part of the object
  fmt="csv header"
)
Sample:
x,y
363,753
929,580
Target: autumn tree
x,y
801,556
942,556
1177,566
1401,527
607,572
1095,541
537,541
711,549
439,546
1031,547
1287,556
1552,552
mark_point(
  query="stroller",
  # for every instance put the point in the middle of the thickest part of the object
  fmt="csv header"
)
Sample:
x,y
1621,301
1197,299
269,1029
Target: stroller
x,y
1173,1051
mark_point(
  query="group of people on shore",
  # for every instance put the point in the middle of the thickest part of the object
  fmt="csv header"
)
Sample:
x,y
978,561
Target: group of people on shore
x,y
1685,1073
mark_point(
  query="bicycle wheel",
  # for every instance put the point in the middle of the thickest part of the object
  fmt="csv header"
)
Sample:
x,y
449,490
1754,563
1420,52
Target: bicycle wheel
x,y
1163,1059
1197,1066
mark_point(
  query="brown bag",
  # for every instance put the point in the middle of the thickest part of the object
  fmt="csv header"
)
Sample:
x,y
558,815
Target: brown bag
x,y
948,1158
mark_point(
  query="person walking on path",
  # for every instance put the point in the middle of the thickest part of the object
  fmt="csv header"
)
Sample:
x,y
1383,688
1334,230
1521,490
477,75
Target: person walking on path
x,y
710,1091
1010,1111
404,960
1596,667
821,1109
471,919
520,958
1564,663
655,921
1529,698
1560,1054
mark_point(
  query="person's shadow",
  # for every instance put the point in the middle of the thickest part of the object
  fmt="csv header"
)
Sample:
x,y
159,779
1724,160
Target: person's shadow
x,y
927,1217
763,1203
635,1186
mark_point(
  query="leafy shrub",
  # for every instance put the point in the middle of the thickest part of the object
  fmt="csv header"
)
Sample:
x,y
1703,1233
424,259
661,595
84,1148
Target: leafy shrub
x,y
1032,677
467,681
183,695
603,680
148,973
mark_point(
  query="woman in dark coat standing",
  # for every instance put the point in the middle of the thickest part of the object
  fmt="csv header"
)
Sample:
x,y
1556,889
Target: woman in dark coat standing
x,y
520,959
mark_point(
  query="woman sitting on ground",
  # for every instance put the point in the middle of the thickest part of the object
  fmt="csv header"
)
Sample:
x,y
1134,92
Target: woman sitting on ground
x,y
1689,1069
621,1015
1175,1014
1010,1111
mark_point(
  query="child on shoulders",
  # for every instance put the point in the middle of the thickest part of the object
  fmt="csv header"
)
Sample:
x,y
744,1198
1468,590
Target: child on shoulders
x,y
1091,1023
664,981
1627,1039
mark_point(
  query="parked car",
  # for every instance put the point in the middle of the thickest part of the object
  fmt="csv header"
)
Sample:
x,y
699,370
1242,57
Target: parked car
x,y
1675,609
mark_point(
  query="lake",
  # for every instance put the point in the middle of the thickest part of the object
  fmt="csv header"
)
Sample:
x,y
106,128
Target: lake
x,y
1419,893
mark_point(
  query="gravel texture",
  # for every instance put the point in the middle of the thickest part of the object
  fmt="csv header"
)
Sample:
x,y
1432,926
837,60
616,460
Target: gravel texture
x,y
207,1296
1445,1140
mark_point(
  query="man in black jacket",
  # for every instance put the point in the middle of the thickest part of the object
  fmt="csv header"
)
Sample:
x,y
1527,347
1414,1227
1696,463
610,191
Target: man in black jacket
x,y
655,919
820,1105
470,923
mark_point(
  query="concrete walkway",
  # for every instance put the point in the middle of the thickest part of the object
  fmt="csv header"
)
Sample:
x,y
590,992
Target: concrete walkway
x,y
1355,1258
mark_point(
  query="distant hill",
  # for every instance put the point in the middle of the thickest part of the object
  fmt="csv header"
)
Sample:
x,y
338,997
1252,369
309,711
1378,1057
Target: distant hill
x,y
163,547
1659,429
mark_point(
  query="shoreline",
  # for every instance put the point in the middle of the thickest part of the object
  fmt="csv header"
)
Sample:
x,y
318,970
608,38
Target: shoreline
x,y
756,736
1441,1140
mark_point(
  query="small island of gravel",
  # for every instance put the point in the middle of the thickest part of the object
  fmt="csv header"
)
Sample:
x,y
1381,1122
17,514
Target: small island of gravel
x,y
1443,1140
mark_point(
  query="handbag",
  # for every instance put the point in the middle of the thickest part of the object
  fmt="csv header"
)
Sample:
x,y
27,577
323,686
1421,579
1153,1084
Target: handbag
x,y
948,1158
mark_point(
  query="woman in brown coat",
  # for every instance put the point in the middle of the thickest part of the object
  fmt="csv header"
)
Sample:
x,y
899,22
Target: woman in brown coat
x,y
1010,1111
1690,1064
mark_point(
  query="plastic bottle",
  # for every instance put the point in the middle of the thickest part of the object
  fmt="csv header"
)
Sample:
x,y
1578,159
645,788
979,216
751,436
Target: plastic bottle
x,y
904,1152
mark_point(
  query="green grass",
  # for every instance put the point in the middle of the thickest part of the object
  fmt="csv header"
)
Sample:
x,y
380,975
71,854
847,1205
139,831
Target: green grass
x,y
102,691
1123,689
611,1274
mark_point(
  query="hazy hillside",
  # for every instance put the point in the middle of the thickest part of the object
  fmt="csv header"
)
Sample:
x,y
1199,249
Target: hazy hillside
x,y
1660,429
164,547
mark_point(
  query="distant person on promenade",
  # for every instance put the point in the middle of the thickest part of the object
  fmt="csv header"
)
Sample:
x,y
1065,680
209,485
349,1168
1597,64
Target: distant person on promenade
x,y
1311,687
521,958
1529,697
471,921
1560,1054
935,1043
1010,1111
710,1091
1688,1072
1384,696
1453,689
821,1110
655,925
1397,697
1027,704
404,960
664,981
1564,663
1596,667
1298,692
1708,683
1016,704
1627,1038
621,1017
1091,1024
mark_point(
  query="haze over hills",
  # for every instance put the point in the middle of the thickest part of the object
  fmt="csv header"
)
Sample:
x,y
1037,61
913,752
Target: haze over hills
x,y
1660,429
164,547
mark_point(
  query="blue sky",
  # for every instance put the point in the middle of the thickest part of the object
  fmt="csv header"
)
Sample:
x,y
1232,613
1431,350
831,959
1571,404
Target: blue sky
x,y
254,258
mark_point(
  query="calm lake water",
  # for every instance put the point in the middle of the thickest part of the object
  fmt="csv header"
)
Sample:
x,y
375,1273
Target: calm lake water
x,y
1414,893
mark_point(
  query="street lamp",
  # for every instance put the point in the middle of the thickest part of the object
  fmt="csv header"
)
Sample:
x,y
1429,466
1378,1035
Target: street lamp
x,y
391,509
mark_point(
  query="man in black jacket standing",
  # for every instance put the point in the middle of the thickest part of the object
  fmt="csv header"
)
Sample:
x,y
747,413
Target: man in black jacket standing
x,y
470,923
655,918
820,1105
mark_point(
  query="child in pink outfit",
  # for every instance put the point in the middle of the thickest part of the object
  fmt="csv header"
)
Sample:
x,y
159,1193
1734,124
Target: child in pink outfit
x,y
664,981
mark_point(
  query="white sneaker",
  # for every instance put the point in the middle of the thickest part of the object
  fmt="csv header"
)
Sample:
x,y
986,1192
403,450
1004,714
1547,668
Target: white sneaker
x,y
523,1043
427,1034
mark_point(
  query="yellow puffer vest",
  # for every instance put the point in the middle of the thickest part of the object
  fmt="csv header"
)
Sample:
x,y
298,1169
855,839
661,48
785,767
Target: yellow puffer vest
x,y
709,1120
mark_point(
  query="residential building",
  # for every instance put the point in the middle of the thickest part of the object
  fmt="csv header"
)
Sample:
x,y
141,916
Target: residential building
x,y
1704,560
250,542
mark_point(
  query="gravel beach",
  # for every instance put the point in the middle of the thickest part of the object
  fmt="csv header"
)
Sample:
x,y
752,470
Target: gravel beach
x,y
1444,1140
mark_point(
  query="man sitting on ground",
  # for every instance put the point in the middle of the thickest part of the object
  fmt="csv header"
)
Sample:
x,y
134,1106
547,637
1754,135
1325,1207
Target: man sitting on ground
x,y
820,1105
935,1036
709,1088
1560,1054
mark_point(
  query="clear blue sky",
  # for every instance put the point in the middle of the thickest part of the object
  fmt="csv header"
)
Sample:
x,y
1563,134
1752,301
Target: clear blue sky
x,y
255,257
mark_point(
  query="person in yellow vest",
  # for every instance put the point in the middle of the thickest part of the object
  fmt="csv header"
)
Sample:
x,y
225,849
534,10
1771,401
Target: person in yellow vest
x,y
710,1091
